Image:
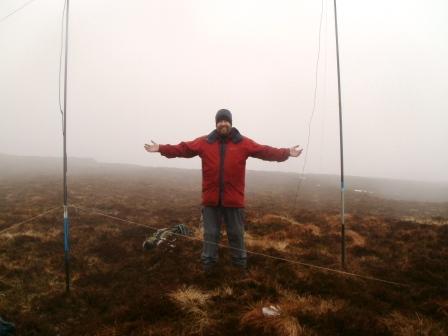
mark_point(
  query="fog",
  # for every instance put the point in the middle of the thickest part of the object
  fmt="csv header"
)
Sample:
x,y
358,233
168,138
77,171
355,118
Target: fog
x,y
142,70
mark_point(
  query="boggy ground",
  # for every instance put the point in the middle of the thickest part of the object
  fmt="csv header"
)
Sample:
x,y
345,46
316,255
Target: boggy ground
x,y
118,289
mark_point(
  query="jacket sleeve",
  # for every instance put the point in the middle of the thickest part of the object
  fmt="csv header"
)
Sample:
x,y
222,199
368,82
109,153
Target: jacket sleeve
x,y
185,149
267,153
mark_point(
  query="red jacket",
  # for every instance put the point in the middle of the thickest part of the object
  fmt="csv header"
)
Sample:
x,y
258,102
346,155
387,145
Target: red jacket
x,y
224,164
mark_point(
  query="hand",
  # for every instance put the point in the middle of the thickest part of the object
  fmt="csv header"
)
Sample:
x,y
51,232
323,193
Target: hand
x,y
152,148
295,151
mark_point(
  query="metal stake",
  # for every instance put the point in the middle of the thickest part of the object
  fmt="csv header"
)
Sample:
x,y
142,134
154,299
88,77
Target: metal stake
x,y
341,143
66,218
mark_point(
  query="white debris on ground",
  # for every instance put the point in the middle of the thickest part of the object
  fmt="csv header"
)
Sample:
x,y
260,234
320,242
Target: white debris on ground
x,y
362,191
271,311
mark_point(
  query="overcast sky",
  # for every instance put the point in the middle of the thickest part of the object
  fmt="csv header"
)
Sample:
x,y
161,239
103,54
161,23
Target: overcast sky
x,y
146,69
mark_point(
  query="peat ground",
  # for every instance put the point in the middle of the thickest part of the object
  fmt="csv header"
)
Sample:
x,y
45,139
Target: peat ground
x,y
119,289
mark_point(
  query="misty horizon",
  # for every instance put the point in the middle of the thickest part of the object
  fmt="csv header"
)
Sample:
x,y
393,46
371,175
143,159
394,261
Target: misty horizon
x,y
198,168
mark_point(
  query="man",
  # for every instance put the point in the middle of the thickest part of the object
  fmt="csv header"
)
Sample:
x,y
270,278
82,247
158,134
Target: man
x,y
223,153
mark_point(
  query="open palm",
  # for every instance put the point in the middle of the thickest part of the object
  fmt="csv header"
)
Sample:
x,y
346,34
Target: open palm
x,y
154,147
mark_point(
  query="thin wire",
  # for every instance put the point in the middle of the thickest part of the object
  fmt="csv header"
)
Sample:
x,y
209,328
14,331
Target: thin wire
x,y
15,11
60,62
321,268
28,220
316,72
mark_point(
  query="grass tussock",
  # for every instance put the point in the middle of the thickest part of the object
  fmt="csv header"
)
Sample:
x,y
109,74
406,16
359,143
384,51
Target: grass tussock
x,y
287,222
283,325
356,238
292,309
314,306
193,302
272,218
266,243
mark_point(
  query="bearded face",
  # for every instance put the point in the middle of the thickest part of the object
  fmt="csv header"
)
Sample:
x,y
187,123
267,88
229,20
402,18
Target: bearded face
x,y
223,127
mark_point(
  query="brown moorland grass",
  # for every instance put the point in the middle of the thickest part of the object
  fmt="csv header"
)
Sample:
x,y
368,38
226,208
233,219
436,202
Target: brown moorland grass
x,y
117,289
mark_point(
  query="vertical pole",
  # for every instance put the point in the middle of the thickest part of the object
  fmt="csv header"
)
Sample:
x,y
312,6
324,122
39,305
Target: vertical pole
x,y
66,219
341,143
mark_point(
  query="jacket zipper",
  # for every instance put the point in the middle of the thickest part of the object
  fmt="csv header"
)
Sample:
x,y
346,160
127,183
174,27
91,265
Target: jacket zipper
x,y
221,172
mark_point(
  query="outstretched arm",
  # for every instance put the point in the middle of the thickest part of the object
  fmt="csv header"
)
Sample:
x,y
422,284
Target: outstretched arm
x,y
185,149
269,153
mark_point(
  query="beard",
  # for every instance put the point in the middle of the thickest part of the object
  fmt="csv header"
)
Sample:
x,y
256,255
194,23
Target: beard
x,y
223,130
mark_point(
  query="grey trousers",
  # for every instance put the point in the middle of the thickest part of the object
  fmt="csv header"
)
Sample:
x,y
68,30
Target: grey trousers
x,y
234,220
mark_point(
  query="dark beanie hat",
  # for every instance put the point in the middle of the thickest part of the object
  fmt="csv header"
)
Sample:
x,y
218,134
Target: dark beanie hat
x,y
223,114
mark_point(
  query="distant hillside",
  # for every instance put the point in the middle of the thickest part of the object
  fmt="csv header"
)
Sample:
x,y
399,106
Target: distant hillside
x,y
29,167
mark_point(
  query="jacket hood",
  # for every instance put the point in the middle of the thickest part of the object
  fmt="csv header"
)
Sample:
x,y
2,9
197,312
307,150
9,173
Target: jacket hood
x,y
234,135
